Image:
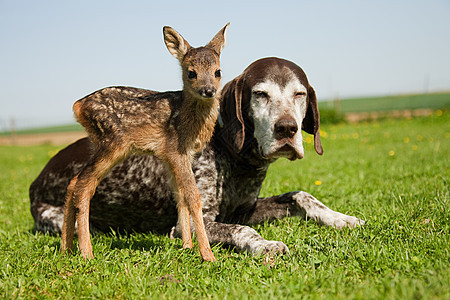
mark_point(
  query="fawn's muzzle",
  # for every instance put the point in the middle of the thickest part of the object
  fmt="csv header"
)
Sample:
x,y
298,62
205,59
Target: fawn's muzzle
x,y
207,92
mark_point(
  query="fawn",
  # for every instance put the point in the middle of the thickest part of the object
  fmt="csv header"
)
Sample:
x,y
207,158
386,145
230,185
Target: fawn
x,y
173,126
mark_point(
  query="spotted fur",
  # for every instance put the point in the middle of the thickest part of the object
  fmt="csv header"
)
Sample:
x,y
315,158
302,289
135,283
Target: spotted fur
x,y
136,196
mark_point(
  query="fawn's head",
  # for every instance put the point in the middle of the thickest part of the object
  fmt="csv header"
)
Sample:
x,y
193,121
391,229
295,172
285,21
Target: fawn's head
x,y
200,66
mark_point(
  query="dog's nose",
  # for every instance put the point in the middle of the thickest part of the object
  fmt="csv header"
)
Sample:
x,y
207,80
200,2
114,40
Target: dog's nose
x,y
207,92
285,128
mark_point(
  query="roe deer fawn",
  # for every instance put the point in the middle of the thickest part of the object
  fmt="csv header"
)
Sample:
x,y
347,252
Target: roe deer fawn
x,y
173,126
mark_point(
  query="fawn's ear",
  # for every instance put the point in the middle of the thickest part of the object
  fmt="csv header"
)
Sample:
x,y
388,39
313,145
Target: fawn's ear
x,y
175,43
218,41
311,122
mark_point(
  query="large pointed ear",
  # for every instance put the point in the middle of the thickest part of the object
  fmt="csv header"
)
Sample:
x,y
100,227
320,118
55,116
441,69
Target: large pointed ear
x,y
219,40
233,130
175,43
311,122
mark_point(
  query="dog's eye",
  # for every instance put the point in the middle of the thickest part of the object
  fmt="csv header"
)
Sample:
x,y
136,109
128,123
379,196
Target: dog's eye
x,y
192,74
218,73
260,94
300,94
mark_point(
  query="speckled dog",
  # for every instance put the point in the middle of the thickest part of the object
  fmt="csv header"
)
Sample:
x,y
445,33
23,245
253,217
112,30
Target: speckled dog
x,y
172,126
262,112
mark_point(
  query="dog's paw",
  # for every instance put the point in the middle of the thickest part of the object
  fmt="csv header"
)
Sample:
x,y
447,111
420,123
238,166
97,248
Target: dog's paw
x,y
338,220
265,247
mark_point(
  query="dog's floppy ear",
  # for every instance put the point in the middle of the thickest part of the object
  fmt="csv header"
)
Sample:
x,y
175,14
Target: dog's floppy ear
x,y
233,131
311,122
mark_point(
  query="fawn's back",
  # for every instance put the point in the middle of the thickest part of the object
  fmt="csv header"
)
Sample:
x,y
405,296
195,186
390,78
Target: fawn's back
x,y
149,121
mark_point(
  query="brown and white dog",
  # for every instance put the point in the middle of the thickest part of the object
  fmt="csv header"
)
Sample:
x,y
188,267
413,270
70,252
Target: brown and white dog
x,y
261,116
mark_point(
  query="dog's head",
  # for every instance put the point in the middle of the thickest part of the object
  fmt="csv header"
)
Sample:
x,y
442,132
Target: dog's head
x,y
273,100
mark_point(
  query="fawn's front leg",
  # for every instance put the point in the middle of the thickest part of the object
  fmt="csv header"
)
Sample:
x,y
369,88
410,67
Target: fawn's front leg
x,y
189,202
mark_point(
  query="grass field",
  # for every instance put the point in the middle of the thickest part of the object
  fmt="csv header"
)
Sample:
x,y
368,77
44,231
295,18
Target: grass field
x,y
388,103
392,173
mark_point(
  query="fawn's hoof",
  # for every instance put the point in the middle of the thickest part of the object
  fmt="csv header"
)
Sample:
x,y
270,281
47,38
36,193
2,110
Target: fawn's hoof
x,y
210,258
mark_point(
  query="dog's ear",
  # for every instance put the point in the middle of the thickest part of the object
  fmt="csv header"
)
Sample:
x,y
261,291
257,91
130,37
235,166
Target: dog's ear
x,y
233,131
311,122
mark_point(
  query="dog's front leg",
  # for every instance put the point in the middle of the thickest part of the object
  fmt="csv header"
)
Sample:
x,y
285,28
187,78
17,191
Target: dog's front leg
x,y
299,204
242,238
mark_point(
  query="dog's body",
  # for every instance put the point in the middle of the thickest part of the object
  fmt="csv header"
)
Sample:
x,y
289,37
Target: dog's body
x,y
262,112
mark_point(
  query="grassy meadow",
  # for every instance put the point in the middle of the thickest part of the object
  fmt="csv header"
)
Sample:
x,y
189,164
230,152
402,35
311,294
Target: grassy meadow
x,y
433,101
392,173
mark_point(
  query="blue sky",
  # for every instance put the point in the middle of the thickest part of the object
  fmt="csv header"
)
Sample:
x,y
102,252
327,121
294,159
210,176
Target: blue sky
x,y
55,52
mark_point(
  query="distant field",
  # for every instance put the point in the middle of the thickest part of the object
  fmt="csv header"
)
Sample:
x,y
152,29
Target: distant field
x,y
432,101
61,128
389,103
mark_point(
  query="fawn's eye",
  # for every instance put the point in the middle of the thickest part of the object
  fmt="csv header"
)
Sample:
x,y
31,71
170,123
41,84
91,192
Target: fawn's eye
x,y
260,94
192,74
218,73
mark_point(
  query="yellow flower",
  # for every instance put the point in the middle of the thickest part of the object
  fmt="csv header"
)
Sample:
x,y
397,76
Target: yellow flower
x,y
414,147
323,133
391,153
317,182
406,139
439,113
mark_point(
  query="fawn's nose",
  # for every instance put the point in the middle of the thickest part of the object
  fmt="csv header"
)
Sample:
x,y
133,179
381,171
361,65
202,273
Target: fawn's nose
x,y
285,128
207,92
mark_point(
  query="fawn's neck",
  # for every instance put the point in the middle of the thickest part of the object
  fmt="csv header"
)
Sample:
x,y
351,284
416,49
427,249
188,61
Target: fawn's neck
x,y
197,119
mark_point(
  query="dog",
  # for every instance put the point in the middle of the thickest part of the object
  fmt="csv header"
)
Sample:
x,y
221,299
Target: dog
x,y
262,113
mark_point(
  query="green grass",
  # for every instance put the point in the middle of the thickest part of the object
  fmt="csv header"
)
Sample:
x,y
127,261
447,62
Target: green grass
x,y
389,103
392,173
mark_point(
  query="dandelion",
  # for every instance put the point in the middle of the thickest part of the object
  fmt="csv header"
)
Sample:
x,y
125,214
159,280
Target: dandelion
x,y
308,140
419,138
391,153
355,135
439,113
414,147
323,133
406,139
317,182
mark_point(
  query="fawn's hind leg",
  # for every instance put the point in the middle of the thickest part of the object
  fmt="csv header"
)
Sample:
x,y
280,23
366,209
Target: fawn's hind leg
x,y
79,194
189,202
68,228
